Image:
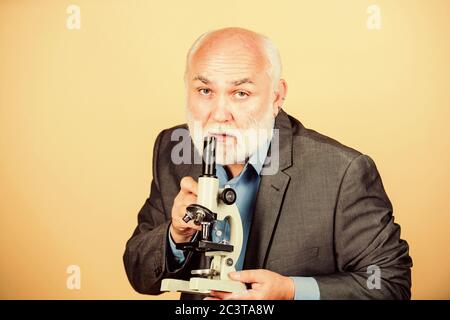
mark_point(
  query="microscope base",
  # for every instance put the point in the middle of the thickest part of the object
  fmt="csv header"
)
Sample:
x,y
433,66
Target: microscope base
x,y
201,285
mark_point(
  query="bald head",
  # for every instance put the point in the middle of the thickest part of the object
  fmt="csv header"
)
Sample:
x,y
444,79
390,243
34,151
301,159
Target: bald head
x,y
239,46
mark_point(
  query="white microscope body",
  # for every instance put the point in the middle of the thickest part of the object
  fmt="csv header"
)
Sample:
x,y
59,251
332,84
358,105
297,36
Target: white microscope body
x,y
219,203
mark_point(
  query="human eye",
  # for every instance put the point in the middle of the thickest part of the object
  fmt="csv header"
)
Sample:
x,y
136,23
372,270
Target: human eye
x,y
204,91
240,94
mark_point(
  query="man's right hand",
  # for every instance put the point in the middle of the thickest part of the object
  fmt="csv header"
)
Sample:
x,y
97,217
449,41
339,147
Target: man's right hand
x,y
180,230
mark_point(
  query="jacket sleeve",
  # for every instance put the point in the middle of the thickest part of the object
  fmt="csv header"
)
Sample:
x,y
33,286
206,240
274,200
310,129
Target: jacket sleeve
x,y
145,256
367,241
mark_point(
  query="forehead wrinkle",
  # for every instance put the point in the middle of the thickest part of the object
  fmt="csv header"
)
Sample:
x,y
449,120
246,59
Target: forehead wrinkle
x,y
234,74
226,68
240,68
229,58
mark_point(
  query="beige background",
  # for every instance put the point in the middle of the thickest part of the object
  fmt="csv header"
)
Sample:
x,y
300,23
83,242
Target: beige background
x,y
80,109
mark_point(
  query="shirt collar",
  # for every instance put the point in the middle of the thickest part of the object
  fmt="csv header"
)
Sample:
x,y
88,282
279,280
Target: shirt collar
x,y
258,158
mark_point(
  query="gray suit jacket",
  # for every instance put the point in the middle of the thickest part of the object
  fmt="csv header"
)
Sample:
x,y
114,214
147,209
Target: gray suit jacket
x,y
324,214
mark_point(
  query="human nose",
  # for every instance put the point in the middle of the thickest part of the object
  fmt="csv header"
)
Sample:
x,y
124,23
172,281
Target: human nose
x,y
221,112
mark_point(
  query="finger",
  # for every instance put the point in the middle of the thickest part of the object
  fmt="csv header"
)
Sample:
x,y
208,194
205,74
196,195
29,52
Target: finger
x,y
256,285
248,276
180,205
220,294
186,200
188,185
210,298
192,225
182,226
243,295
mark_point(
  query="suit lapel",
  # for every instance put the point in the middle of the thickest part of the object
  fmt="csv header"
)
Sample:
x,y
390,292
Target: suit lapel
x,y
191,169
270,198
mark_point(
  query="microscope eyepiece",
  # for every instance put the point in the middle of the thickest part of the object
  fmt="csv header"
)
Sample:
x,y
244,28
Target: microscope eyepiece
x,y
209,157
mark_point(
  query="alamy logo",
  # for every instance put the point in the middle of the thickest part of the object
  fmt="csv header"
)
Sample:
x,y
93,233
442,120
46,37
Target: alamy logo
x,y
73,281
374,279
73,21
182,152
374,19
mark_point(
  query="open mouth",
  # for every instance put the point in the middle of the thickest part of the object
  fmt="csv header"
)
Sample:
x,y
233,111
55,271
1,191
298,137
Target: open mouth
x,y
223,137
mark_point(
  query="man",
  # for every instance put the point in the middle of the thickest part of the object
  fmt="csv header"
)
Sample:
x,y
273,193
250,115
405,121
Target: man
x,y
320,227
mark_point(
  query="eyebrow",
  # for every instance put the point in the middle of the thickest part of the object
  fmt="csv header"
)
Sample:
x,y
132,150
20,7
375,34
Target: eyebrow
x,y
202,79
242,81
236,83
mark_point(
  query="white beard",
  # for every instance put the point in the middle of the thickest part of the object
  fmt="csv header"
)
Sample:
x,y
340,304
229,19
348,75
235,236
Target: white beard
x,y
248,140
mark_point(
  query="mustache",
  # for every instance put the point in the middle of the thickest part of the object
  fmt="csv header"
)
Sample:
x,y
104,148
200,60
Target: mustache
x,y
226,132
221,129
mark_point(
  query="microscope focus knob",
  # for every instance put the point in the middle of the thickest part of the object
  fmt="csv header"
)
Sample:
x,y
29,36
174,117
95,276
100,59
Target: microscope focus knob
x,y
228,196
189,215
199,214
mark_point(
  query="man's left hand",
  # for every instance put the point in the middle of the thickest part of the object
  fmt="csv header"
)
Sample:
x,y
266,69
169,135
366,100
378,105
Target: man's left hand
x,y
265,285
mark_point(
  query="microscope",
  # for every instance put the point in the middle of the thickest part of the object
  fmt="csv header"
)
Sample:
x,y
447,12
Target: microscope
x,y
214,206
